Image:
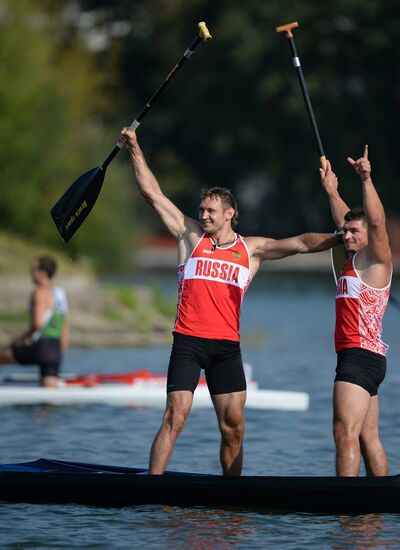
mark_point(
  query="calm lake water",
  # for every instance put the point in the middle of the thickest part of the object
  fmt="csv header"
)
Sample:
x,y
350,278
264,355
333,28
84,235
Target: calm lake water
x,y
287,328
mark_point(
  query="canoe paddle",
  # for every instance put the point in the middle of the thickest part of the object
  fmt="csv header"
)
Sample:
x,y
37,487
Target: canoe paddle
x,y
338,253
297,65
73,207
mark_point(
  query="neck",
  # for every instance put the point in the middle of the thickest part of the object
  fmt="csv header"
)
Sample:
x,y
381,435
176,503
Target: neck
x,y
44,284
223,240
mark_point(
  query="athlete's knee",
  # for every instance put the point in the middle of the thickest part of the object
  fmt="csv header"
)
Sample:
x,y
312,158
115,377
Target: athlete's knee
x,y
6,356
345,432
232,431
369,438
175,418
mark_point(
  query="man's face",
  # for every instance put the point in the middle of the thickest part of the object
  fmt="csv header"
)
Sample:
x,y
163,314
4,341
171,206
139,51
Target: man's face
x,y
38,275
355,236
212,215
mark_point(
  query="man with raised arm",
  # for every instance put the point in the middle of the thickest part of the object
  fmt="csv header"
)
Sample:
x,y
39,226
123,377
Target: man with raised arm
x,y
215,267
363,290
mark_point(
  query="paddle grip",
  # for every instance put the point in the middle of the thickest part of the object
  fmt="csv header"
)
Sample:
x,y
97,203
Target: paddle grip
x,y
297,65
287,28
204,32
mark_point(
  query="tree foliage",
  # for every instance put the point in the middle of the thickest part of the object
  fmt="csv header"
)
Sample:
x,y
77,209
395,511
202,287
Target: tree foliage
x,y
73,73
53,107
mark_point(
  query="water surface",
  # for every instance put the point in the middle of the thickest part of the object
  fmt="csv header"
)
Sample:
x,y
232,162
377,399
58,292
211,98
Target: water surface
x,y
287,336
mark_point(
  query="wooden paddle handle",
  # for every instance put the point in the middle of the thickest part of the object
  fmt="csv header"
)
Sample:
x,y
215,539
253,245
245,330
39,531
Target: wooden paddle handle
x,y
288,28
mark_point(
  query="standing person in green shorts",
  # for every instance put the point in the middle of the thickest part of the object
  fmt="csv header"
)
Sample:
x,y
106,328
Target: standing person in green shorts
x,y
44,342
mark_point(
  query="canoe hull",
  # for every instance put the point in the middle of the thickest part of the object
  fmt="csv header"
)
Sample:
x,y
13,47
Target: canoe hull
x,y
142,395
105,486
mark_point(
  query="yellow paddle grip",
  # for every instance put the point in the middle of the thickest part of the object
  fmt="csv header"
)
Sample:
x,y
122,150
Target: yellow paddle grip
x,y
204,32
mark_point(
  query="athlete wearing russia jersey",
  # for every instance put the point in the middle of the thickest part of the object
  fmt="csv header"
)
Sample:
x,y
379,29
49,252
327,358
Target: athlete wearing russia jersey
x,y
361,298
215,267
213,275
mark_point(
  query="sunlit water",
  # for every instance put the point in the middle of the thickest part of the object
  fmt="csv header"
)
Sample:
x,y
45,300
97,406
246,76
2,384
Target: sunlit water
x,y
287,336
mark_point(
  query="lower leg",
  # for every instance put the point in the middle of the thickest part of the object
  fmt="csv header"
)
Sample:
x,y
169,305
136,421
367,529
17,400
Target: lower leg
x,y
161,449
350,408
178,408
229,408
231,453
348,455
50,382
375,459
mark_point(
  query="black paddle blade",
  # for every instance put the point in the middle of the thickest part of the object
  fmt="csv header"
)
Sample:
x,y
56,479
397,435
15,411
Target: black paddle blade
x,y
74,206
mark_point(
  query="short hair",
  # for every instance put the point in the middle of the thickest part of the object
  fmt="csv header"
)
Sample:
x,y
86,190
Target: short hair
x,y
227,199
355,214
47,264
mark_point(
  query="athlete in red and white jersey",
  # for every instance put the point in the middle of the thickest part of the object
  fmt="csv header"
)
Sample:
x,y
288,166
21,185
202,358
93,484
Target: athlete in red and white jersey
x,y
362,294
215,267
213,274
359,312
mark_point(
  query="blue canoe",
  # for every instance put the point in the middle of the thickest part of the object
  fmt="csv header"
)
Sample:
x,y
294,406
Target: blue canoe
x,y
57,481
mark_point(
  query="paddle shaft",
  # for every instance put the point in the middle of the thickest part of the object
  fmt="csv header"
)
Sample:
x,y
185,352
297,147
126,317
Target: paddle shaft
x,y
74,206
205,36
297,65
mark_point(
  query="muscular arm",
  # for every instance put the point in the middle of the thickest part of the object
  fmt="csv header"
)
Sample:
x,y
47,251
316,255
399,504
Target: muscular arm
x,y
65,335
261,248
174,220
330,183
378,247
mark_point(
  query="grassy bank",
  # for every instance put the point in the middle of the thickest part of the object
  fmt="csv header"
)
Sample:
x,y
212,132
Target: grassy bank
x,y
17,254
100,314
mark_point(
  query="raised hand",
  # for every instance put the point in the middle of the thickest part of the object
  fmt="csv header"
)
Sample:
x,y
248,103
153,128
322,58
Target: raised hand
x,y
362,166
328,178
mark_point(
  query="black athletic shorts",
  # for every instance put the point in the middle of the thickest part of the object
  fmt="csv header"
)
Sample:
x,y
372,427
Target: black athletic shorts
x,y
362,367
45,352
220,359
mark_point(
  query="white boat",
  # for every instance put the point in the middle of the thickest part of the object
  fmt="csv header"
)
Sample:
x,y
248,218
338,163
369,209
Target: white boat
x,y
138,388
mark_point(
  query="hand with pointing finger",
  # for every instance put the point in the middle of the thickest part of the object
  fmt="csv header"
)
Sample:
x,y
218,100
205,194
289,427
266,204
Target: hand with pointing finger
x,y
362,166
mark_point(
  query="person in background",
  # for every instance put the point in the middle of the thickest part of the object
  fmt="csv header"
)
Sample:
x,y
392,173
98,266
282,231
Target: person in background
x,y
363,290
47,336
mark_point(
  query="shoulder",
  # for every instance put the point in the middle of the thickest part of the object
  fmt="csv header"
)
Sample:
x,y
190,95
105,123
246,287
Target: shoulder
x,y
39,292
193,232
257,245
40,295
372,273
193,227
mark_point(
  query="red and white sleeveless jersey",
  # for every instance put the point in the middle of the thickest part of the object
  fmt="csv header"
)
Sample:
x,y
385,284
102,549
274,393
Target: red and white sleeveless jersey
x,y
359,312
212,284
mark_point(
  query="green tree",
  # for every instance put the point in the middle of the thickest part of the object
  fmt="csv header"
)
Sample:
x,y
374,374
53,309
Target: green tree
x,y
236,116
54,109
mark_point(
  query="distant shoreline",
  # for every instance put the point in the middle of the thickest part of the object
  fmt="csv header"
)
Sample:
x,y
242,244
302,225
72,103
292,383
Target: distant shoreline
x,y
100,314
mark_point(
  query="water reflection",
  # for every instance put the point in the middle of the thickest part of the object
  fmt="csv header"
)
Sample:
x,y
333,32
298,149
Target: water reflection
x,y
360,532
202,529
